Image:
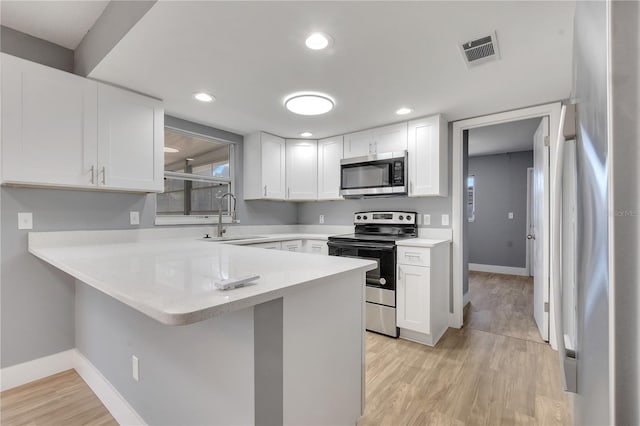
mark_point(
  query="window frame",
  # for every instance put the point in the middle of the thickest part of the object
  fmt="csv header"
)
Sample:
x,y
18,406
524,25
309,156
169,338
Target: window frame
x,y
208,219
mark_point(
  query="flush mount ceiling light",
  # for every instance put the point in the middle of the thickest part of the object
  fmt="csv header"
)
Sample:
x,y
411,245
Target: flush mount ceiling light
x,y
204,97
170,150
306,134
317,41
403,111
309,103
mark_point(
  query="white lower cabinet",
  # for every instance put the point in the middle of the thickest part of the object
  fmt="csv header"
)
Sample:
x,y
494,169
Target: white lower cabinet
x,y
422,293
294,245
316,246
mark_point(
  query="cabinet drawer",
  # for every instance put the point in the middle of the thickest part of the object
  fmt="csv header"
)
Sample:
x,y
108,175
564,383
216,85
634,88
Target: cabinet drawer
x,y
293,245
414,256
276,245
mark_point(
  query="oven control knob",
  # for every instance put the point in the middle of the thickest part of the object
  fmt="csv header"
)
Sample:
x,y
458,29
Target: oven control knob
x,y
359,217
365,218
401,217
408,218
383,281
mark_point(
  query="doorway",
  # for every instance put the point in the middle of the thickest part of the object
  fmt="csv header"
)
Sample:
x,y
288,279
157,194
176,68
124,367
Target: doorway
x,y
459,191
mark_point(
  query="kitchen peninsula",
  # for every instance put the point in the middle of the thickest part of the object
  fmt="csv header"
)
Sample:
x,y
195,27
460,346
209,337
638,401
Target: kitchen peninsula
x,y
288,349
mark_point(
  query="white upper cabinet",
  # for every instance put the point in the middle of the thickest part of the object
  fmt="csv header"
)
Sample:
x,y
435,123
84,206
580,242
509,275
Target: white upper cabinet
x,y
330,153
302,169
428,157
63,130
130,140
391,138
380,140
49,125
264,160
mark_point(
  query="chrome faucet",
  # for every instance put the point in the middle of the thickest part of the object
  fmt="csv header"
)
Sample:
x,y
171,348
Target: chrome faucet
x,y
221,229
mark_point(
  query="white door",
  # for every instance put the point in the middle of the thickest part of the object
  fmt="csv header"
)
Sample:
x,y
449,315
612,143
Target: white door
x,y
391,138
358,144
130,140
49,133
329,156
540,226
273,166
302,169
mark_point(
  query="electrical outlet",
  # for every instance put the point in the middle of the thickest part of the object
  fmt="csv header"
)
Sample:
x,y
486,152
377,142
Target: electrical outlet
x,y
25,220
445,220
426,219
134,218
135,370
321,219
510,215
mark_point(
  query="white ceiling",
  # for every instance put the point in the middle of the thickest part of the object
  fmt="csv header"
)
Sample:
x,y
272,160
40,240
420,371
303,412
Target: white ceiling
x,y
501,138
60,22
250,55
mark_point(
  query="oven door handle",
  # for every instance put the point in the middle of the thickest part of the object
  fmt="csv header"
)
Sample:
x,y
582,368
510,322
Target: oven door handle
x,y
360,245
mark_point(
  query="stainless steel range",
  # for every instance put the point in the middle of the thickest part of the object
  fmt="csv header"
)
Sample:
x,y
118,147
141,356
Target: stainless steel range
x,y
375,239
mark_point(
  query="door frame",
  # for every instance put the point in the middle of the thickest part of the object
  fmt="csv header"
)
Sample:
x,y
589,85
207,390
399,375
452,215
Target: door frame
x,y
529,263
552,110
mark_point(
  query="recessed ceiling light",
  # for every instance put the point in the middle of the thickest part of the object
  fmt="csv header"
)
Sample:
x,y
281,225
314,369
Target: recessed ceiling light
x,y
403,111
204,97
309,103
317,41
306,134
189,159
170,150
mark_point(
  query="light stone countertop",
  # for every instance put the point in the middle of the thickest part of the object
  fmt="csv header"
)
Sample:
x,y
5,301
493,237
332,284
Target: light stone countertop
x,y
172,280
421,242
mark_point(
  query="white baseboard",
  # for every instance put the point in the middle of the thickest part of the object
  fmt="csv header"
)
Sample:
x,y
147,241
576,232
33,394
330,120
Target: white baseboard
x,y
20,374
508,270
110,397
466,298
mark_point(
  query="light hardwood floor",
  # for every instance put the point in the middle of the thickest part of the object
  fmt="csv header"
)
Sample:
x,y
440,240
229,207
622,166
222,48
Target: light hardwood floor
x,y
494,371
61,399
482,374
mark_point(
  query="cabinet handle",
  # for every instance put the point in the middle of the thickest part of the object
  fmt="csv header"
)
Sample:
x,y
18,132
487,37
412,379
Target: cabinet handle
x,y
410,188
265,190
375,147
399,273
288,192
93,175
104,175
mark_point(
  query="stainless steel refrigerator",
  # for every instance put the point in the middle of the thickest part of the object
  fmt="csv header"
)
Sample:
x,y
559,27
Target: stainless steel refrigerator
x,y
598,227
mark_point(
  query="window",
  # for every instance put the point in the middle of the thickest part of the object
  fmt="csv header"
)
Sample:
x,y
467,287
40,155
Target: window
x,y
197,171
471,198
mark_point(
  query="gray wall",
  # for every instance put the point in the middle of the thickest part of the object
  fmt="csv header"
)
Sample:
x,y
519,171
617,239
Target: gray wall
x,y
36,299
35,49
501,187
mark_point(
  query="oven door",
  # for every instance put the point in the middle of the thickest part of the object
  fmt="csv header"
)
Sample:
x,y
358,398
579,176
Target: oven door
x,y
383,174
381,281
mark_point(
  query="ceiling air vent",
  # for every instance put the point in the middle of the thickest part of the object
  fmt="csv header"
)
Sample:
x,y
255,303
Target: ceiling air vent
x,y
479,51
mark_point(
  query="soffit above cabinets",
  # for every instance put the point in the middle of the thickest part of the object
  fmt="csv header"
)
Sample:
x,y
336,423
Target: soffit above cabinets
x,y
383,55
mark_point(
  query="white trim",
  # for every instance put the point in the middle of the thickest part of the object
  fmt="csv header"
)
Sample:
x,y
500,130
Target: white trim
x,y
496,269
20,374
551,110
190,220
108,395
529,218
466,298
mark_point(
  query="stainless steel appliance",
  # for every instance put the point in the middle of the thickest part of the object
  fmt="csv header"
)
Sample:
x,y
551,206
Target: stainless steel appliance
x,y
598,342
374,175
375,239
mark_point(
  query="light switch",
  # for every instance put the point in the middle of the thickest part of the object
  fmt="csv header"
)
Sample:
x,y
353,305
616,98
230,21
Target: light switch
x,y
426,219
134,218
510,215
25,220
445,220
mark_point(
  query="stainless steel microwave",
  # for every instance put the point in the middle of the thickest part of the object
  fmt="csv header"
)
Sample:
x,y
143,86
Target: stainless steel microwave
x,y
374,175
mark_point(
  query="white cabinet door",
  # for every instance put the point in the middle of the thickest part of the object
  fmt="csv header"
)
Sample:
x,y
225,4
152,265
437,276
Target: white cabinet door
x,y
391,138
130,140
273,160
428,157
316,246
358,144
302,169
294,245
48,125
330,153
413,293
